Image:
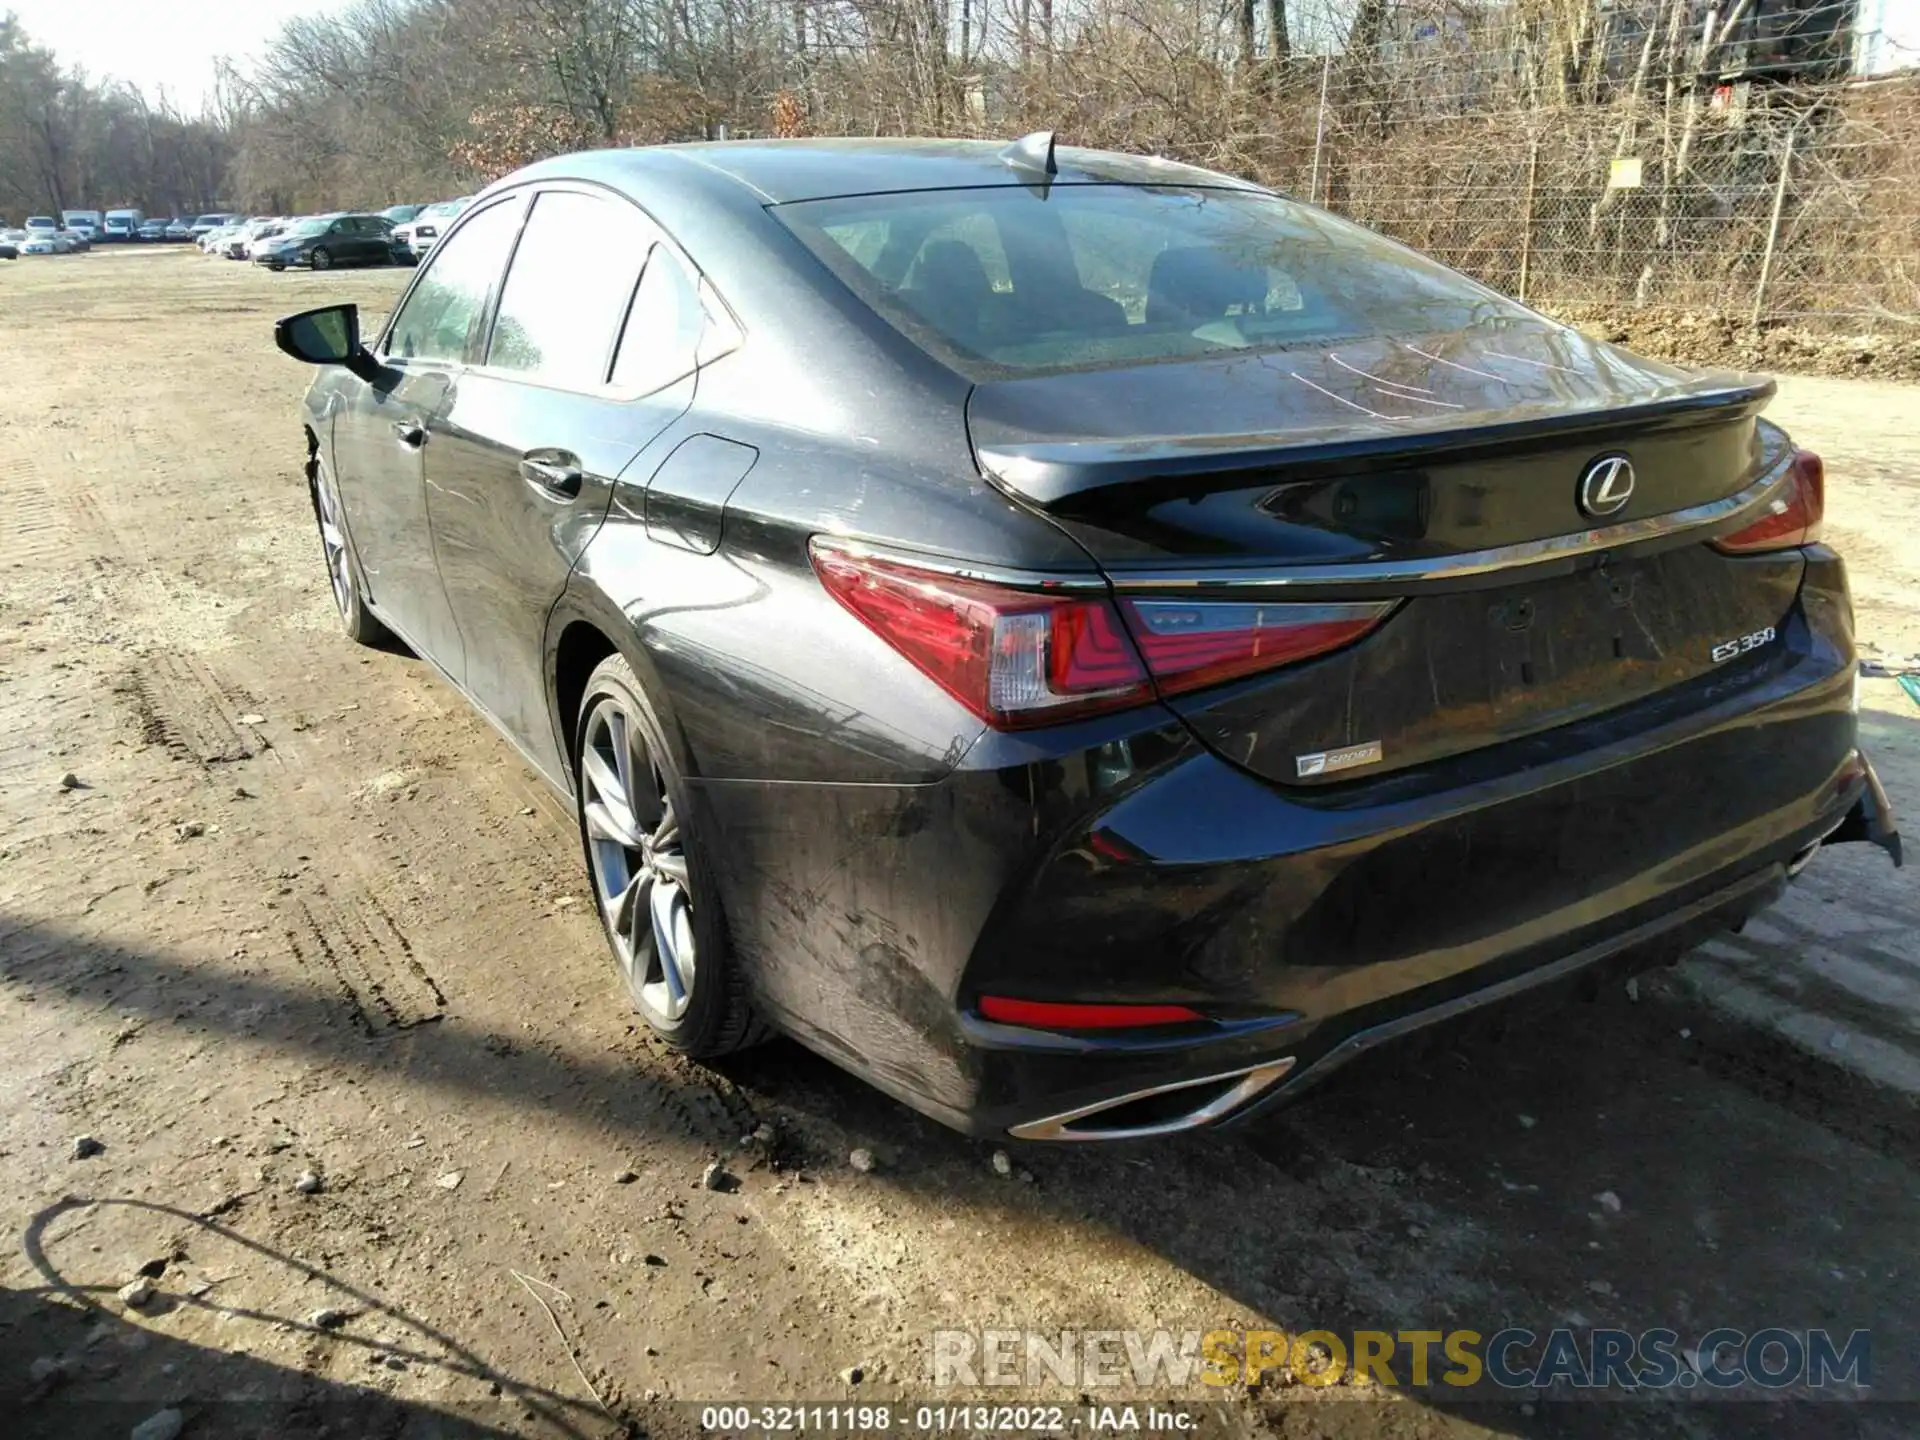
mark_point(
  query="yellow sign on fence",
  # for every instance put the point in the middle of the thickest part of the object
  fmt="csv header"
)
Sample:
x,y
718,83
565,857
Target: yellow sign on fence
x,y
1623,173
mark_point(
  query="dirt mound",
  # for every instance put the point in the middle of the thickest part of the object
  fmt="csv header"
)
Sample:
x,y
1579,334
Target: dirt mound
x,y
1708,338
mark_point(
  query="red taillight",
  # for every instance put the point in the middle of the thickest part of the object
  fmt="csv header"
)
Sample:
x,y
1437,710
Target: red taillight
x,y
1020,658
1013,657
1049,1015
1190,644
1793,518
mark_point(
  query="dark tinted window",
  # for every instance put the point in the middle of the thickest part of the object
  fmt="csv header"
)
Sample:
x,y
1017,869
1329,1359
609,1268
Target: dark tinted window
x,y
452,294
661,340
567,290
1001,281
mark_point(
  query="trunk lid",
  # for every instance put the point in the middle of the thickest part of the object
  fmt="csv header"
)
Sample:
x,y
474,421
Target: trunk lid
x,y
1443,472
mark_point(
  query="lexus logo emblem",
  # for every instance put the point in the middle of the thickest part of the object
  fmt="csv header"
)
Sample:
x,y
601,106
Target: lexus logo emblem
x,y
1606,485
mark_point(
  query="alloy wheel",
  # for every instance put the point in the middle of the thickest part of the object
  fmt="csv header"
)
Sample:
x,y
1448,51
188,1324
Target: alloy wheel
x,y
639,860
333,542
321,259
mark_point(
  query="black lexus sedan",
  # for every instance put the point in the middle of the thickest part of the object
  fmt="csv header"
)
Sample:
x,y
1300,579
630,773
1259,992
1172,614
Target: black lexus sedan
x,y
1087,643
323,241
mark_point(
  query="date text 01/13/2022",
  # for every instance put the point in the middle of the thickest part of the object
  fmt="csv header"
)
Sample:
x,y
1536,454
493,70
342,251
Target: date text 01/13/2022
x,y
946,1419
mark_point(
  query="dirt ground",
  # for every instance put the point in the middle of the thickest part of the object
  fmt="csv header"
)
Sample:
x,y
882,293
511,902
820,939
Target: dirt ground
x,y
304,912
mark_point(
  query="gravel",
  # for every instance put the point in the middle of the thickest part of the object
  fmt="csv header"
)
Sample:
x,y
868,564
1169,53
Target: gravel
x,y
137,1294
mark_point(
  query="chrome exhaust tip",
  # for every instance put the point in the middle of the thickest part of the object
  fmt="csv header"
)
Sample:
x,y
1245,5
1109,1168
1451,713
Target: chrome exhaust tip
x,y
1158,1109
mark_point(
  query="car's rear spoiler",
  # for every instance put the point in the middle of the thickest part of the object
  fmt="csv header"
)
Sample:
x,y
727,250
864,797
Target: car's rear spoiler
x,y
1054,473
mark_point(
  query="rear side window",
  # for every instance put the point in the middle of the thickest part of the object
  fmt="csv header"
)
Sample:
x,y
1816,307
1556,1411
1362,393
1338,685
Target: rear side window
x,y
451,296
1000,281
661,340
567,290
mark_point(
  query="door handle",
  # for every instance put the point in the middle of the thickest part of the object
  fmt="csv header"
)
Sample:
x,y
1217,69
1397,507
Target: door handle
x,y
410,433
553,473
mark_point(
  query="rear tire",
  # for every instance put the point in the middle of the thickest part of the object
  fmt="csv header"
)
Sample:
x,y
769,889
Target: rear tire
x,y
321,259
653,883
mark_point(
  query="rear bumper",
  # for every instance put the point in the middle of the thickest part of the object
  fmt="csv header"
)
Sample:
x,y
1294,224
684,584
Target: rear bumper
x,y
1307,927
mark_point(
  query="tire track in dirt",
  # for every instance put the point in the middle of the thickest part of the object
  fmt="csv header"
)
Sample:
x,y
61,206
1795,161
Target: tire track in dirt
x,y
188,707
35,535
178,705
383,996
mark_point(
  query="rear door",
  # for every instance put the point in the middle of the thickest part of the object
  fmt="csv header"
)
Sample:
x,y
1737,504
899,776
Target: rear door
x,y
583,367
381,435
370,233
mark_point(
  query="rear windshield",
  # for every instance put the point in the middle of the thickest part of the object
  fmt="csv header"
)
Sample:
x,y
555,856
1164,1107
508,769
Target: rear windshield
x,y
1003,282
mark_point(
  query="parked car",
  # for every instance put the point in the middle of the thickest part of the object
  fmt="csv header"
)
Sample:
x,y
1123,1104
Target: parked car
x,y
88,220
328,240
45,236
208,223
178,230
151,231
425,227
122,225
1085,642
266,235
241,243
238,241
78,240
213,239
10,243
401,214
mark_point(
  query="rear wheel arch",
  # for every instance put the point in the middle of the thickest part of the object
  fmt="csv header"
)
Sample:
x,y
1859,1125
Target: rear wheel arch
x,y
577,652
580,637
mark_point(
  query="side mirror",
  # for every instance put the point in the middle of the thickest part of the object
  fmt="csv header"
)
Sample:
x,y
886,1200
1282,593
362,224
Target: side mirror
x,y
327,336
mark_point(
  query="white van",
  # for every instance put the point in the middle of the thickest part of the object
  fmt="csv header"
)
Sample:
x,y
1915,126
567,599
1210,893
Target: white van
x,y
121,224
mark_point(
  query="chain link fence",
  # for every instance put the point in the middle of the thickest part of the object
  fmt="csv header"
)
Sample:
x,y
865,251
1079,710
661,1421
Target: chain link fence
x,y
1764,203
1608,157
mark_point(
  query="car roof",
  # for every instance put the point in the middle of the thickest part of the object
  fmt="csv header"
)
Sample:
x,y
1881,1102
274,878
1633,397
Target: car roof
x,y
781,171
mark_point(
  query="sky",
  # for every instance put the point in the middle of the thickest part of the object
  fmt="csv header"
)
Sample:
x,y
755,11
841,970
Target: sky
x,y
156,43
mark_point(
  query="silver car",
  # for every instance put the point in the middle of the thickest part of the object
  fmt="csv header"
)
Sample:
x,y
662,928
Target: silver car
x,y
427,226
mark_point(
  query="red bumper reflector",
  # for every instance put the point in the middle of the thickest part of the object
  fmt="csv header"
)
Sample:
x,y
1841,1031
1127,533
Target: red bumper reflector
x,y
1048,1015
